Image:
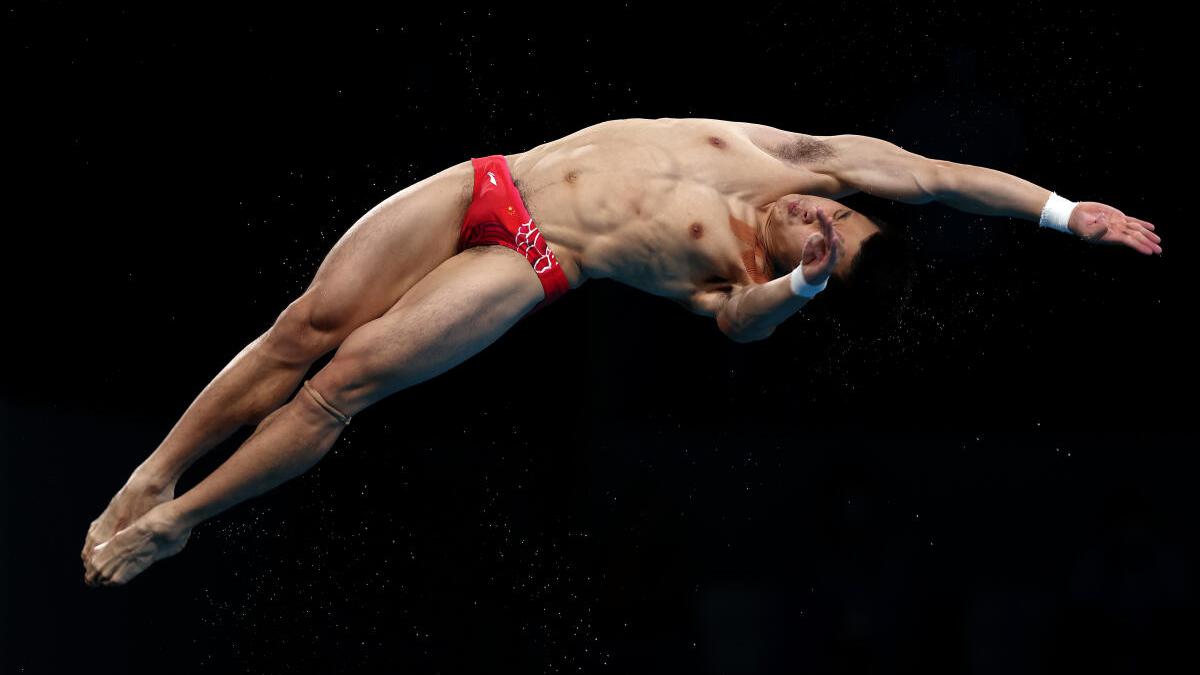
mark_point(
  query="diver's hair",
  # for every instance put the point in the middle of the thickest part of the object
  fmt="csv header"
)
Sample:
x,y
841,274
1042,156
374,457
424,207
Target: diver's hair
x,y
875,292
868,321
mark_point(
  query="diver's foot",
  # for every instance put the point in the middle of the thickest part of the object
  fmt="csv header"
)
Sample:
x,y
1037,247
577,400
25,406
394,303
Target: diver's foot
x,y
156,535
140,494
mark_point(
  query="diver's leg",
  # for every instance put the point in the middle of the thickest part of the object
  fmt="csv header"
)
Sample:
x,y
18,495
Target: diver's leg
x,y
380,257
462,306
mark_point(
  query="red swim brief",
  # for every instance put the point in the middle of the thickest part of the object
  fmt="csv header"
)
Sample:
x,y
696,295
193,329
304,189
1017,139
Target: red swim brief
x,y
498,216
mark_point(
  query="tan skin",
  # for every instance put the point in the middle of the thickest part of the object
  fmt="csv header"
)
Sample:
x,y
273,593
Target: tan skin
x,y
712,214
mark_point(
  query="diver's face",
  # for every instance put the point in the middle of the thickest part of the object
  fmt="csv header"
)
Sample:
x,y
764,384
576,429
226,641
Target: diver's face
x,y
794,220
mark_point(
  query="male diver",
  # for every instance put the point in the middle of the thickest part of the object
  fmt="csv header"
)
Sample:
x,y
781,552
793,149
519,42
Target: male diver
x,y
733,220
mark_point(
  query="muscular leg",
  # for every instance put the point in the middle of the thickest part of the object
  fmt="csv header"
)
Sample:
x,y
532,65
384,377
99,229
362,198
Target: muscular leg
x,y
375,262
462,306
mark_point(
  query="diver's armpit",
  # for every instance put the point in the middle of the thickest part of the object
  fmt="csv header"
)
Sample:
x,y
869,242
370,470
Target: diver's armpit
x,y
803,149
787,146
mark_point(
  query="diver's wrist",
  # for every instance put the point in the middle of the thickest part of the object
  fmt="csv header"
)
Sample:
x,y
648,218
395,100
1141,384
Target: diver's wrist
x,y
801,287
1056,213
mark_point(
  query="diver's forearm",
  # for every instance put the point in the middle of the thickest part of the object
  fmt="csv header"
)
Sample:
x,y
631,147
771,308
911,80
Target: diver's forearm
x,y
756,311
988,192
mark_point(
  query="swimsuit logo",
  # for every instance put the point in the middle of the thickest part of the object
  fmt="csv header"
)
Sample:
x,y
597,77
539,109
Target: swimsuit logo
x,y
492,177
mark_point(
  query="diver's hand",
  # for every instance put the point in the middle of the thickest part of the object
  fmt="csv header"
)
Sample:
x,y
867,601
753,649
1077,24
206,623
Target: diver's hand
x,y
1102,224
819,257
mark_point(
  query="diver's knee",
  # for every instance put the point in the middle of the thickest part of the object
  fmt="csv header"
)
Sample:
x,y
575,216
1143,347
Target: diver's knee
x,y
353,380
300,335
322,402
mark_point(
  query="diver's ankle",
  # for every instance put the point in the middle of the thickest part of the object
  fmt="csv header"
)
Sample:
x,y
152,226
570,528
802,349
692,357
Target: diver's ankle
x,y
168,521
151,479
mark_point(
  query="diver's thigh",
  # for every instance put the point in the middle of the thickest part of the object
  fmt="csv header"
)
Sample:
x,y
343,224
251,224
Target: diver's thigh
x,y
454,312
388,250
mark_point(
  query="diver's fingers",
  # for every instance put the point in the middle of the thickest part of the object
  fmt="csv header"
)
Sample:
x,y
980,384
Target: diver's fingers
x,y
1134,224
1139,221
1145,238
1136,243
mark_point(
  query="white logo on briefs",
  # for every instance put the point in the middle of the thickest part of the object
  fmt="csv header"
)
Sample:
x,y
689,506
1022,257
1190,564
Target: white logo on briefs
x,y
492,176
528,237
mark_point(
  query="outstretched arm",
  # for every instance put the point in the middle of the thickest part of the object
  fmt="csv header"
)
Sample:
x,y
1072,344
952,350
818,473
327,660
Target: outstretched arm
x,y
877,167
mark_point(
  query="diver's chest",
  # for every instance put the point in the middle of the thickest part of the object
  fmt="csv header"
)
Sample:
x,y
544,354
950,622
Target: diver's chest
x,y
687,212
694,249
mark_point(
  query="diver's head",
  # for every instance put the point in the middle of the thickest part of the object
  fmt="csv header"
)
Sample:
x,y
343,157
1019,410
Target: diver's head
x,y
792,219
874,290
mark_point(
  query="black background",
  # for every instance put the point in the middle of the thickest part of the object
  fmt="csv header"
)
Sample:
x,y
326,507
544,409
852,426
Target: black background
x,y
1003,483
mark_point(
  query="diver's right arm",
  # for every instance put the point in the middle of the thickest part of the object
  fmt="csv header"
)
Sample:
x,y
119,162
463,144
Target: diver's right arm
x,y
751,311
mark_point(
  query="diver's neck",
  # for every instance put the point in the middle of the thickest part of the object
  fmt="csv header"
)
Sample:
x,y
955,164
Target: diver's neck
x,y
764,256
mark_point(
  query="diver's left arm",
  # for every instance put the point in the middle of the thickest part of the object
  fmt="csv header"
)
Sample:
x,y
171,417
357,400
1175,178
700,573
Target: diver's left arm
x,y
877,167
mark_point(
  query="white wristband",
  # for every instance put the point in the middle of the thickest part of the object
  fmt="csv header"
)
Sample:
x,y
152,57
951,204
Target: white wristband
x,y
1056,213
801,287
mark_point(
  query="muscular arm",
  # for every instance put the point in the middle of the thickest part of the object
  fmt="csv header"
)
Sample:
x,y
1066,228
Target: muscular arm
x,y
880,168
747,312
860,163
750,312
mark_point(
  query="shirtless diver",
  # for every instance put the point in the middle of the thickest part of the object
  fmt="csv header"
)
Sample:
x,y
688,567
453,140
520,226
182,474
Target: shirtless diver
x,y
733,220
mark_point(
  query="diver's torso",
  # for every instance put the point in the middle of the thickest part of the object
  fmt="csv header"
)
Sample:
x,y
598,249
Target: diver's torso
x,y
664,205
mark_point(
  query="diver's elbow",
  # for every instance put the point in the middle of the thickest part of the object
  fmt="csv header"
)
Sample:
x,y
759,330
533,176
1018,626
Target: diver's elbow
x,y
741,328
745,336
